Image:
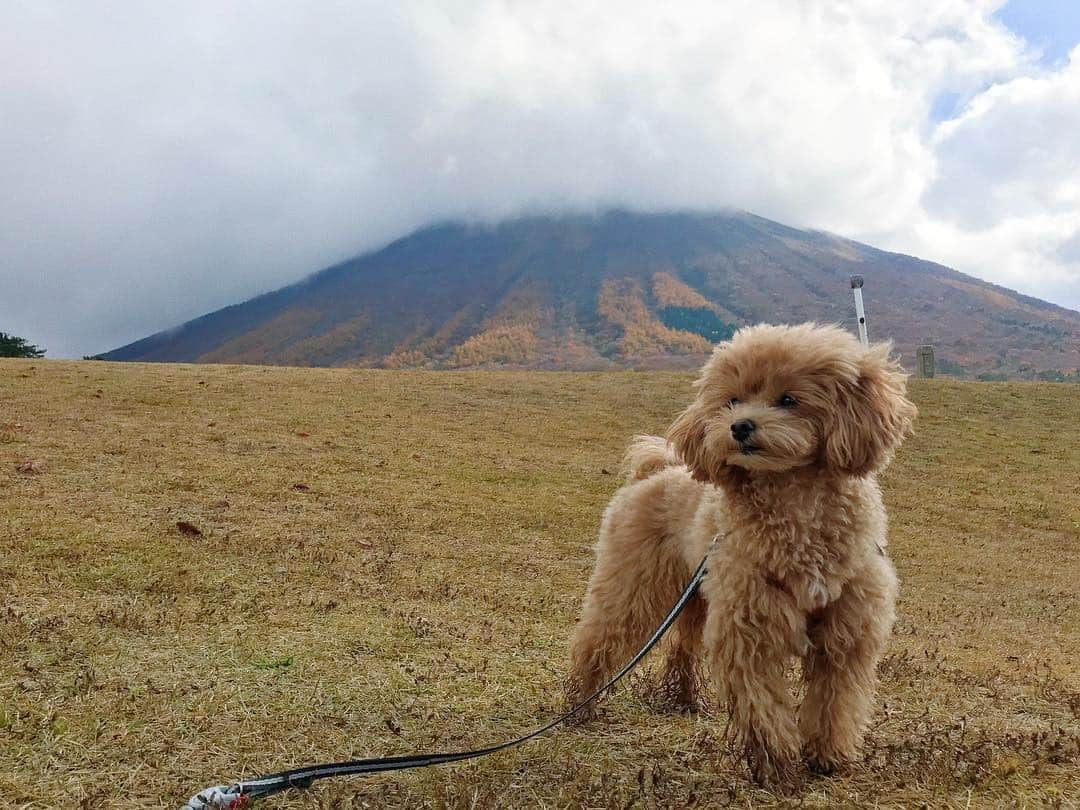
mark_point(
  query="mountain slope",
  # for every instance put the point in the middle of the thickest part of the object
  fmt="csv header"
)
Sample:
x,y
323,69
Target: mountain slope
x,y
615,290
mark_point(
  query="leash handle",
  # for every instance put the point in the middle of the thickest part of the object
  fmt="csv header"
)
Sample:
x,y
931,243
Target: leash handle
x,y
238,795
219,796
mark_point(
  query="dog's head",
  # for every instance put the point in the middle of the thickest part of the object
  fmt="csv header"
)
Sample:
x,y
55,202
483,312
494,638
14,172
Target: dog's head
x,y
778,398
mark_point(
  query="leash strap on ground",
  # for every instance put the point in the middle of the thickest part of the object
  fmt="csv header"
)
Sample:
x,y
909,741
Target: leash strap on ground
x,y
241,793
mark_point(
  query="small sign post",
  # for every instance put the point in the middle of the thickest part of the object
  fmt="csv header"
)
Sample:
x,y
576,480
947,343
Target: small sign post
x,y
856,289
925,356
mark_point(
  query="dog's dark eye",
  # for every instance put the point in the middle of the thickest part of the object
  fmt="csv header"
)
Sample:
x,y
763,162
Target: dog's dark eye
x,y
787,401
731,403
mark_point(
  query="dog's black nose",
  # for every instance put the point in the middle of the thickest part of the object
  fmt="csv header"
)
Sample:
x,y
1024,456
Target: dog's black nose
x,y
742,429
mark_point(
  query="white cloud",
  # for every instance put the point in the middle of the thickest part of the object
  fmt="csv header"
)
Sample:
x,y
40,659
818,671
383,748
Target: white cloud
x,y
158,161
1005,200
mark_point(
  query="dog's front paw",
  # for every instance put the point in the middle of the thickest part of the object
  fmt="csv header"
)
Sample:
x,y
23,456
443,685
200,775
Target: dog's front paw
x,y
821,763
773,770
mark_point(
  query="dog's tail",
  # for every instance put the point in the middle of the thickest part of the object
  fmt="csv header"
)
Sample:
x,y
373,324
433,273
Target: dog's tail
x,y
647,455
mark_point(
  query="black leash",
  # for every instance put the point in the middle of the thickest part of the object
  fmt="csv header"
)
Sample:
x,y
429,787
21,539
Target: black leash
x,y
239,794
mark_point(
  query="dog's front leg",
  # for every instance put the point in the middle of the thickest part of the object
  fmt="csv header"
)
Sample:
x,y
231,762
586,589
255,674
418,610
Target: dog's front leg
x,y
752,630
840,670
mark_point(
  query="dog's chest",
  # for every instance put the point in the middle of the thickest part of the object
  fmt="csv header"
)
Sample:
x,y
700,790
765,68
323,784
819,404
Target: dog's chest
x,y
805,540
809,563
814,590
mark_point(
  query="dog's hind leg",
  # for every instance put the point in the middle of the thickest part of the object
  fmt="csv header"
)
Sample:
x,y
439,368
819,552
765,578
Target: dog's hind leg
x,y
639,574
683,677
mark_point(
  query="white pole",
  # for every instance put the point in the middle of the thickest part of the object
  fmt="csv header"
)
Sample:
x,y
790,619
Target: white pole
x,y
856,289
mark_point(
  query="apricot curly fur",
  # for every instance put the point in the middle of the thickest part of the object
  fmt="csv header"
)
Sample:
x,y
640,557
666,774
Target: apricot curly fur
x,y
802,572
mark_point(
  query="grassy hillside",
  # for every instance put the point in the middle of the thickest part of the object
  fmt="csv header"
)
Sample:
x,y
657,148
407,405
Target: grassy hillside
x,y
215,572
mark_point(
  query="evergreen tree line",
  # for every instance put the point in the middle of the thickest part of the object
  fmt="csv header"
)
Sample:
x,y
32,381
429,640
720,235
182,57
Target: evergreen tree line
x,y
12,346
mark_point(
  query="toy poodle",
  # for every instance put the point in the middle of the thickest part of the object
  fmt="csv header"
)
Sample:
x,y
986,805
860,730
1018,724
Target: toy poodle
x,y
777,458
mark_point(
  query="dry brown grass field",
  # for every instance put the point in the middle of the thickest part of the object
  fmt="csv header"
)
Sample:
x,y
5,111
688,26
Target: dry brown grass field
x,y
215,572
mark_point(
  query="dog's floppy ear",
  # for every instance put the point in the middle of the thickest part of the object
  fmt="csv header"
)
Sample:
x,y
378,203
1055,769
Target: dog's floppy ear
x,y
688,432
870,417
687,435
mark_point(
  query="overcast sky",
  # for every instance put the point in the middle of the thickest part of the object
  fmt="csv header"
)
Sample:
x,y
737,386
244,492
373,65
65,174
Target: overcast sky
x,y
161,160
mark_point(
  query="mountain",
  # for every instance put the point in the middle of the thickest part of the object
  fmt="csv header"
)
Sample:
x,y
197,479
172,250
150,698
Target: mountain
x,y
617,290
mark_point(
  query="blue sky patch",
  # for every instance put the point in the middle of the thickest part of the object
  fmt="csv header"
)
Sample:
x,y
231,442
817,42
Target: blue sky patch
x,y
1051,27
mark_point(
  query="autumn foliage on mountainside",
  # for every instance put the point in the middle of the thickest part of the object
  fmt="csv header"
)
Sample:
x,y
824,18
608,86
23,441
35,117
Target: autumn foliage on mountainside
x,y
619,290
